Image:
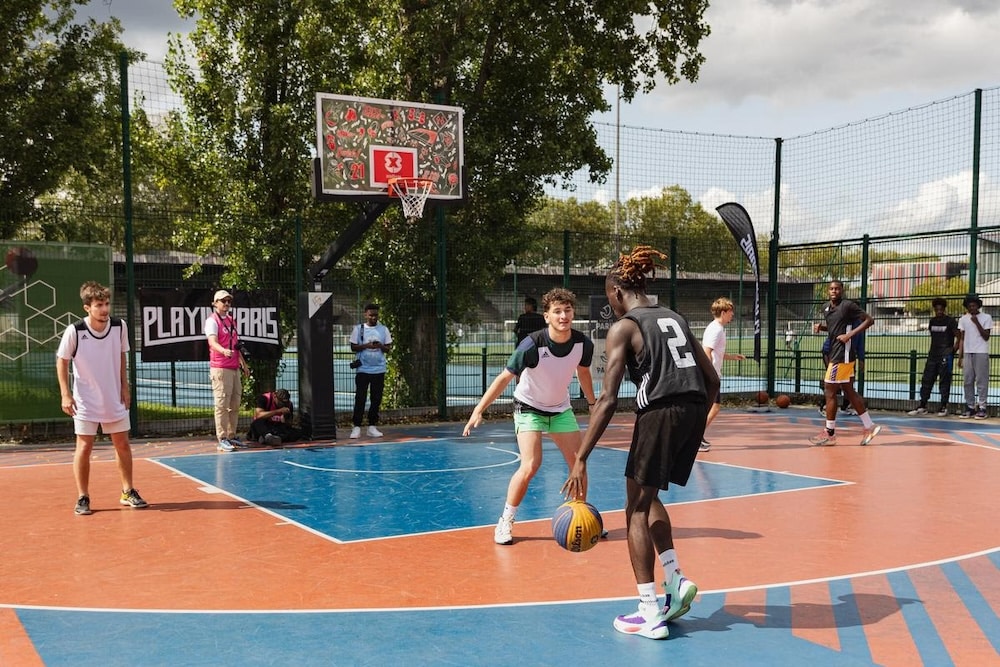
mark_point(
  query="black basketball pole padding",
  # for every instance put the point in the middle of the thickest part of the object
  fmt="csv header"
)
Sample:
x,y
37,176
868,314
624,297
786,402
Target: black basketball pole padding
x,y
315,345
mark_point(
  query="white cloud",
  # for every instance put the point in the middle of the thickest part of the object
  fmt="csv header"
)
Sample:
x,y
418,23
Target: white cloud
x,y
146,23
787,68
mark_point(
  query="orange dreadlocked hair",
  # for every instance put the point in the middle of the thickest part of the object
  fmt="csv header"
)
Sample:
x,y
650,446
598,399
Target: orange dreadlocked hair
x,y
630,270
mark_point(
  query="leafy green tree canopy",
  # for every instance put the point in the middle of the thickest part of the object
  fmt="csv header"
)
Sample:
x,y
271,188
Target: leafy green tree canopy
x,y
529,75
57,80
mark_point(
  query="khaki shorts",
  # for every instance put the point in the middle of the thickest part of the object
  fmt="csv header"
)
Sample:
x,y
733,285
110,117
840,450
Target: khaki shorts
x,y
564,422
839,372
81,427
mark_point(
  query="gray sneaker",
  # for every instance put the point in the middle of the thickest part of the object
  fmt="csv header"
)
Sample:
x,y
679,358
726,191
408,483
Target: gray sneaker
x,y
271,440
131,498
225,446
83,506
981,412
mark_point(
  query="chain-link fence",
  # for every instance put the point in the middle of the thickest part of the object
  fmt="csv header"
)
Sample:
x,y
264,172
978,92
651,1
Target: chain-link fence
x,y
902,208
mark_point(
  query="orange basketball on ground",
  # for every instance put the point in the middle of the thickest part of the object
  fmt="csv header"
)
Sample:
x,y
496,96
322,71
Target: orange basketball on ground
x,y
783,401
762,397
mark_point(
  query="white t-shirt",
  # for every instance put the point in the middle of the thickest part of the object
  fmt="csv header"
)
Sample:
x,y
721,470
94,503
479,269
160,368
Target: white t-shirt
x,y
97,361
974,342
715,338
372,361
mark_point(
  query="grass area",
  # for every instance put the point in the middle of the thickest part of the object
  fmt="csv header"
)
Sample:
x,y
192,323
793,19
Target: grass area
x,y
160,412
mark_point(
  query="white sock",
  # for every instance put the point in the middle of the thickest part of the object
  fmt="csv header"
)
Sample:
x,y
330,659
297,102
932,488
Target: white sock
x,y
670,565
509,511
831,425
647,595
866,420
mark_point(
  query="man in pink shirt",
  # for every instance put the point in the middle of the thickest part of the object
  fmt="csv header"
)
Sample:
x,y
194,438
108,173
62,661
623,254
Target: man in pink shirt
x,y
225,362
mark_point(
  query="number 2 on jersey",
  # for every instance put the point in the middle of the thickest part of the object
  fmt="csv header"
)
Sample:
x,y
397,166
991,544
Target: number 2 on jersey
x,y
675,341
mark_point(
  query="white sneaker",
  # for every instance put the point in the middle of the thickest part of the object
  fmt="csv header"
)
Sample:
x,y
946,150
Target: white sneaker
x,y
652,624
918,411
355,432
374,432
502,533
680,594
943,412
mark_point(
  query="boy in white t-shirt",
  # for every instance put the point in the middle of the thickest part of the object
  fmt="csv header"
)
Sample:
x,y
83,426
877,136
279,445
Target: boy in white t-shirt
x,y
974,356
714,342
100,396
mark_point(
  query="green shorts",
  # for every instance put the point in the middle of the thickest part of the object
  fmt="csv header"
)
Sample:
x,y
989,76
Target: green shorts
x,y
564,422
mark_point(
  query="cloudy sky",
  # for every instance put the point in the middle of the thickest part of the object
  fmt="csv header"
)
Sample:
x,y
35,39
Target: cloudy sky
x,y
774,67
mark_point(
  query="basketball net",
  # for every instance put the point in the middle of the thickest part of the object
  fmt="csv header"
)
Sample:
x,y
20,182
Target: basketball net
x,y
413,193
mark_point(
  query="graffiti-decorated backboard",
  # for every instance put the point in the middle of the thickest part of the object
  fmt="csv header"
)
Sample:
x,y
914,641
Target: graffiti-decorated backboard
x,y
363,143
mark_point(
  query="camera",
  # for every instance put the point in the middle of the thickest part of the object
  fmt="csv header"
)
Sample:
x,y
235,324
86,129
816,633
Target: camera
x,y
244,351
356,363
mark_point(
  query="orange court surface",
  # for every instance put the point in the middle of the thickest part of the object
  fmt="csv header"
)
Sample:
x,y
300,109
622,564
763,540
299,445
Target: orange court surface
x,y
375,552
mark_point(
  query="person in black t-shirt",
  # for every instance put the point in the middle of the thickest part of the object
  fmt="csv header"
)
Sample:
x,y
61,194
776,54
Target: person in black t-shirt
x,y
529,321
844,321
676,383
943,329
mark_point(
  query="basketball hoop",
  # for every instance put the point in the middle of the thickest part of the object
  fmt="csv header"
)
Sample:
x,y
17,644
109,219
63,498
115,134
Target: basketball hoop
x,y
413,193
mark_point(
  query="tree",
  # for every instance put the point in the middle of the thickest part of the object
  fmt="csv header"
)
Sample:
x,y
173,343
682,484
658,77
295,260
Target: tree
x,y
588,223
58,85
700,234
955,287
529,75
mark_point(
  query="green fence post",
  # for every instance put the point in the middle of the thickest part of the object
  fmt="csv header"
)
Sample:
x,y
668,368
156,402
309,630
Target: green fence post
x,y
977,138
129,254
798,370
863,301
566,259
483,370
442,309
673,273
772,276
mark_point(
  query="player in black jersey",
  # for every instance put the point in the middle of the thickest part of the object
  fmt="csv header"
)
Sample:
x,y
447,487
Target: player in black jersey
x,y
840,316
940,361
676,383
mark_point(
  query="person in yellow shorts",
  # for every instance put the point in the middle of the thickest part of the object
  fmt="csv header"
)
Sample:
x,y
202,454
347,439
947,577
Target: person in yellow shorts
x,y
840,317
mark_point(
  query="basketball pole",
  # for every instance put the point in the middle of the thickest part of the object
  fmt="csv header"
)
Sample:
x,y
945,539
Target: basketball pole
x,y
315,334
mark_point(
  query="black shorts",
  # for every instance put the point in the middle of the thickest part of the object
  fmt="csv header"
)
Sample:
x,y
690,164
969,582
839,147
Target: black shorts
x,y
665,442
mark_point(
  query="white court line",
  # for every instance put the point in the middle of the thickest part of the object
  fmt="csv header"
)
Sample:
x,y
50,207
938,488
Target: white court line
x,y
382,610
517,457
250,504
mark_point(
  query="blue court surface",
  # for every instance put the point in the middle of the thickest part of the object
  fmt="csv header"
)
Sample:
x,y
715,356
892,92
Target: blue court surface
x,y
408,488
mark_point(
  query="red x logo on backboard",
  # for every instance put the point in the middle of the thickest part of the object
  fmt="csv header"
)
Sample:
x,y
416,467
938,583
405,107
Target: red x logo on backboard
x,y
392,161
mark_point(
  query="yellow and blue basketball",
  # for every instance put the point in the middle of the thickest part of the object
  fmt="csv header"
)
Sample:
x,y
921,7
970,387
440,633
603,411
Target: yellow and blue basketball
x,y
577,526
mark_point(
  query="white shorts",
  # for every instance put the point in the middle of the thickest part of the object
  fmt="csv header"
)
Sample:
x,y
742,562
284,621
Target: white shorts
x,y
83,427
